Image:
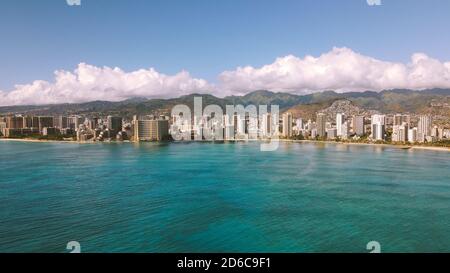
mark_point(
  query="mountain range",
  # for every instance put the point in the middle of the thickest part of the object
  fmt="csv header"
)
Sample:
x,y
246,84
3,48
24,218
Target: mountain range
x,y
435,101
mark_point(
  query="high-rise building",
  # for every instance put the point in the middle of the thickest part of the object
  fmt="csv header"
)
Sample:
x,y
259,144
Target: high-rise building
x,y
61,122
332,133
400,132
74,122
424,128
298,128
14,122
378,127
114,124
340,119
309,125
252,127
412,135
27,122
151,129
344,130
266,125
399,119
287,125
403,132
45,122
299,124
229,127
358,125
321,125
2,127
241,125
229,132
437,133
247,123
93,123
50,131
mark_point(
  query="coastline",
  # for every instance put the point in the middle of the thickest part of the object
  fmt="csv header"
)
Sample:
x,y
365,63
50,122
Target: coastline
x,y
444,149
408,147
403,147
35,140
59,141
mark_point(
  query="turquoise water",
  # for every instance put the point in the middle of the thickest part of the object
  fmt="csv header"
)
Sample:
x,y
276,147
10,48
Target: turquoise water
x,y
204,197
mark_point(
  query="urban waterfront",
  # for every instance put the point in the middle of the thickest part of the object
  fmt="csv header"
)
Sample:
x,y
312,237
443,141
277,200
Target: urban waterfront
x,y
222,197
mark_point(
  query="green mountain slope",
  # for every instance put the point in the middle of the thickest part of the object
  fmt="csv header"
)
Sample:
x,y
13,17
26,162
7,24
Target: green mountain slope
x,y
389,101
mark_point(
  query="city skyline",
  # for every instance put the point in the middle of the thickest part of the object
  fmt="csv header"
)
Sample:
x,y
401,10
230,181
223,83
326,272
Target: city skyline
x,y
240,124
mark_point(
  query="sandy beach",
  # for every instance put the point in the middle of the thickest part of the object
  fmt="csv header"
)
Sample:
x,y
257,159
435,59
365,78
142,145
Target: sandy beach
x,y
442,149
41,141
408,147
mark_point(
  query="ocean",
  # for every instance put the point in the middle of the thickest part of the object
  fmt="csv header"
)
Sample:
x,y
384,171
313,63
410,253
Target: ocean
x,y
222,197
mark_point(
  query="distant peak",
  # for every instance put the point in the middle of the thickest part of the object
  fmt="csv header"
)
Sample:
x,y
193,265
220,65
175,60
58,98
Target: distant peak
x,y
260,93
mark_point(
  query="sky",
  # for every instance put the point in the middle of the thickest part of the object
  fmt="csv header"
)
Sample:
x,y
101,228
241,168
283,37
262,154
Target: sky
x,y
51,52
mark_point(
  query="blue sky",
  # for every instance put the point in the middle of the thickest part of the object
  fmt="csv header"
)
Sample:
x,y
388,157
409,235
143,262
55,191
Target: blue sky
x,y
207,37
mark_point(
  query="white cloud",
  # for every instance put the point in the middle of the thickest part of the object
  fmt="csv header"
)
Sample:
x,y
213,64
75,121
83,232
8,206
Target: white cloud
x,y
341,69
88,83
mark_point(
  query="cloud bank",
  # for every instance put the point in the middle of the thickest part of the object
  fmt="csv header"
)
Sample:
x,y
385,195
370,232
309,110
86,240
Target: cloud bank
x,y
88,83
341,69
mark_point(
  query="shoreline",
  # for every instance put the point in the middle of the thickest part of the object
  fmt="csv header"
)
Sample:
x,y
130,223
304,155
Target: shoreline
x,y
404,147
59,141
36,140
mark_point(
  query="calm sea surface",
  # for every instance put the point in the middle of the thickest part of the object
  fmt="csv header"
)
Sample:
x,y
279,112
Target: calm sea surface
x,y
204,197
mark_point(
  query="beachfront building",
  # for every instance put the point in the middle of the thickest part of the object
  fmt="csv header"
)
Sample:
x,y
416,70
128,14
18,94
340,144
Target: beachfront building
x,y
2,127
298,126
45,122
344,130
321,125
340,119
60,122
266,125
424,128
30,122
378,126
228,124
241,128
358,125
151,129
332,133
412,135
74,122
400,132
399,119
437,133
314,133
14,122
114,124
50,131
287,125
93,123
